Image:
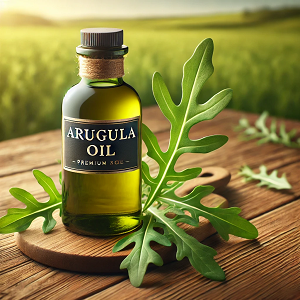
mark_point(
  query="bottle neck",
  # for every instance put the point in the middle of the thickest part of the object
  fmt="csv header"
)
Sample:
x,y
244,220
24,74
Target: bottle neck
x,y
107,82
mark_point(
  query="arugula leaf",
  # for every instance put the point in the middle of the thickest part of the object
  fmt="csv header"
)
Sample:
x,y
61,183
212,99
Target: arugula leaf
x,y
264,134
160,195
18,219
182,117
142,254
271,181
225,220
200,256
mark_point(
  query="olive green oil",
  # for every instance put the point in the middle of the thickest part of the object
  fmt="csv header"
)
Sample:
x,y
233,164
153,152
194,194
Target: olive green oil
x,y
101,131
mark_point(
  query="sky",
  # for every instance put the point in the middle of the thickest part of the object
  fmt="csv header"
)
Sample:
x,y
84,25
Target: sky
x,y
74,9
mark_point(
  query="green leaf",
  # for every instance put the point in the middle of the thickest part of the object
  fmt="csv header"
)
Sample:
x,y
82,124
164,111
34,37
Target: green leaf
x,y
265,134
182,117
200,256
225,220
160,196
142,254
271,181
261,123
163,98
18,219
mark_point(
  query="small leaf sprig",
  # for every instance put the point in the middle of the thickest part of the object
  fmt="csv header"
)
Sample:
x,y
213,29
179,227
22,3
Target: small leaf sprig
x,y
19,219
264,134
271,181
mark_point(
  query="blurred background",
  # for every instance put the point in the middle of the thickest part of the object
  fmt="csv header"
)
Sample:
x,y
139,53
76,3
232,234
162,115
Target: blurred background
x,y
257,53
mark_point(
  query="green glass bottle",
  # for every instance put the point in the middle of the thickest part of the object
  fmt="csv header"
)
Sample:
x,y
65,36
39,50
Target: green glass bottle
x,y
101,133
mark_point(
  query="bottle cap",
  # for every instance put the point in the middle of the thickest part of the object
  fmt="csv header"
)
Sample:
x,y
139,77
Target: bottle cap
x,y
101,37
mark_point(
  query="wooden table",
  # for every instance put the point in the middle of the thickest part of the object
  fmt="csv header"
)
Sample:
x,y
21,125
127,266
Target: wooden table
x,y
266,268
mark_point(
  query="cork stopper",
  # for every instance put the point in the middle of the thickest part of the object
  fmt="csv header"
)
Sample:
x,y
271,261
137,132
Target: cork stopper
x,y
93,68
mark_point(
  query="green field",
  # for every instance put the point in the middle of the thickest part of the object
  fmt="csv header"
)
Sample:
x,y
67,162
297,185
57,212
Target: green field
x,y
257,57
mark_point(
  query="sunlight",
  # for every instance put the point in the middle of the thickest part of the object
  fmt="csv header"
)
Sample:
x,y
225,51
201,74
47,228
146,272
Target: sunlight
x,y
3,5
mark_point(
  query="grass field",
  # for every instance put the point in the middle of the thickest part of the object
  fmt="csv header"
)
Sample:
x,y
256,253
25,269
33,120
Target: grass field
x,y
257,57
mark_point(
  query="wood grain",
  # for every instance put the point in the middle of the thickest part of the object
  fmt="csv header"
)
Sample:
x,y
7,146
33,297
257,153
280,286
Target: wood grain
x,y
264,269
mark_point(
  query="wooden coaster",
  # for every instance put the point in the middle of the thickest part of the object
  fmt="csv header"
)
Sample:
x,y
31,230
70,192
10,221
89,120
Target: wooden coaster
x,y
70,251
214,176
67,250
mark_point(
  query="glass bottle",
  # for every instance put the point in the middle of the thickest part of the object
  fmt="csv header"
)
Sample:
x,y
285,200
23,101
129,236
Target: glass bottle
x,y
101,133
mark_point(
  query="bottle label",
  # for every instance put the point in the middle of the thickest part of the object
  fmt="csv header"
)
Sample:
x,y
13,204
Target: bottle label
x,y
92,146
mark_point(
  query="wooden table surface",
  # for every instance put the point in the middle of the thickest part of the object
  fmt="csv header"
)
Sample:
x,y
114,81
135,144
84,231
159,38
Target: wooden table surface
x,y
265,268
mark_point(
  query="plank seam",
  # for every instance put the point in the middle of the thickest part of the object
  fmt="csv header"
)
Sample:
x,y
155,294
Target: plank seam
x,y
27,170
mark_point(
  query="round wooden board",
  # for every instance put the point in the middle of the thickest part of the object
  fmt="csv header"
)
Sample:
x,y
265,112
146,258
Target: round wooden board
x,y
67,250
